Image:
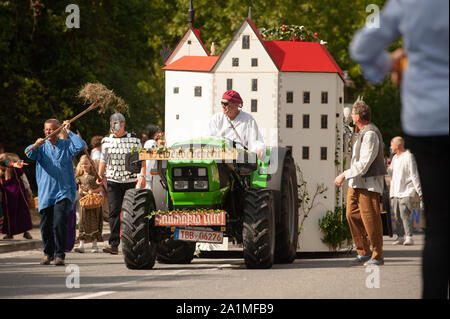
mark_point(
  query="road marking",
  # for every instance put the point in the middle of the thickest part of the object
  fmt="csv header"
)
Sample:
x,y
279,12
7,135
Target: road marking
x,y
94,295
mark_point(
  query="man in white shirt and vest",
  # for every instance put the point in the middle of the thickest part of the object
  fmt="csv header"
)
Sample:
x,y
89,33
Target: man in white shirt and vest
x,y
237,125
365,180
405,183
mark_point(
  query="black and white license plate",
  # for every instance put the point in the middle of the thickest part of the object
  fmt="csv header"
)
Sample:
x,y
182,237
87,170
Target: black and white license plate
x,y
202,236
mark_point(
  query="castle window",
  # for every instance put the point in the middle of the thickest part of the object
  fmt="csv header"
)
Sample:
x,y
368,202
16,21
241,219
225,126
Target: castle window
x,y
245,42
289,120
254,84
306,98
323,153
324,97
254,62
290,97
254,106
176,90
305,120
235,62
324,121
305,152
229,84
198,91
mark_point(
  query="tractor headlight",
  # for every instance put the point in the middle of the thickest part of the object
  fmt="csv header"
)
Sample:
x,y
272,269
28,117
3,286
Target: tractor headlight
x,y
180,185
200,184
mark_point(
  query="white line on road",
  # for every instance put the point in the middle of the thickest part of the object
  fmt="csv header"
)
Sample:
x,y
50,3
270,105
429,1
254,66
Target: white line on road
x,y
95,295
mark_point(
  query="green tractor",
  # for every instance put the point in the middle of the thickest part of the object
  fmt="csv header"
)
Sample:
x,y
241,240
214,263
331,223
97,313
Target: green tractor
x,y
253,202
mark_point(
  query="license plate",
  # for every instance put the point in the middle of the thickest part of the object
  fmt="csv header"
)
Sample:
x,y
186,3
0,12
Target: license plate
x,y
203,236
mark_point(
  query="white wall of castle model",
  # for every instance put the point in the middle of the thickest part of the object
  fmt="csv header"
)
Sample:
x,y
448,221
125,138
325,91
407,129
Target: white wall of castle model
x,y
315,171
184,48
266,73
193,112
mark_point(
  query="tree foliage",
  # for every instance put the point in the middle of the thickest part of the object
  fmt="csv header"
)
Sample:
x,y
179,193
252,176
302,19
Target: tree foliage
x,y
44,64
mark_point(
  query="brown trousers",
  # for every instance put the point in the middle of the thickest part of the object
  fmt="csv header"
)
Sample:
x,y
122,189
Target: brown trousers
x,y
364,218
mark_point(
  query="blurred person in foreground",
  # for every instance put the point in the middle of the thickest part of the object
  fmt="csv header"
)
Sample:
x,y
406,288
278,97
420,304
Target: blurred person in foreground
x,y
421,69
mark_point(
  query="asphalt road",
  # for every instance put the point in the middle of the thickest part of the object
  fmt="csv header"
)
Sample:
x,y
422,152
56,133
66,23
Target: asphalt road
x,y
104,276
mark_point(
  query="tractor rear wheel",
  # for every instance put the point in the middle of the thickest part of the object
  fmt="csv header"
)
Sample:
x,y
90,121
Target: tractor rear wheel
x,y
287,226
137,247
172,251
259,228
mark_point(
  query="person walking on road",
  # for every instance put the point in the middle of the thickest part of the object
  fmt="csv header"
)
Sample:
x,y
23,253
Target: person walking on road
x,y
112,162
56,186
405,184
366,181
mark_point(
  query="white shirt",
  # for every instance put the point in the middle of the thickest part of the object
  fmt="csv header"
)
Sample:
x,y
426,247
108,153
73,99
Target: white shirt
x,y
367,154
405,180
96,155
245,125
149,164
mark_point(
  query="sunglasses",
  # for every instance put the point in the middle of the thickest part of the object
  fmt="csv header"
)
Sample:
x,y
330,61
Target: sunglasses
x,y
226,103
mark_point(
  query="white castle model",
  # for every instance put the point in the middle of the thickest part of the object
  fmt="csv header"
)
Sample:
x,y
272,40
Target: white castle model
x,y
294,90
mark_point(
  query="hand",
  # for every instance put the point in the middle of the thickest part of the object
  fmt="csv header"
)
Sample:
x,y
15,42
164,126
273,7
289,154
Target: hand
x,y
99,181
141,182
66,125
398,58
19,164
260,154
339,180
39,142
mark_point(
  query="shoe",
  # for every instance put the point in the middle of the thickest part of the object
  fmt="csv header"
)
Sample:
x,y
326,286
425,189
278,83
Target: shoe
x,y
111,250
59,262
46,260
27,235
95,250
408,241
79,249
374,262
8,237
360,259
398,241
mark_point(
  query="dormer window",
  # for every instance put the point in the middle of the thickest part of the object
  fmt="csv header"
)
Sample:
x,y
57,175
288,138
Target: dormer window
x,y
245,42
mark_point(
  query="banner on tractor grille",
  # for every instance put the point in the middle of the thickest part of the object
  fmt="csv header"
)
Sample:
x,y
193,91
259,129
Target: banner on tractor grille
x,y
180,218
218,154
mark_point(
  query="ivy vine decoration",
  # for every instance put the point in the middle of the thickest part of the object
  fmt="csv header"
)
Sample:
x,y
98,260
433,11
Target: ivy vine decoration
x,y
291,33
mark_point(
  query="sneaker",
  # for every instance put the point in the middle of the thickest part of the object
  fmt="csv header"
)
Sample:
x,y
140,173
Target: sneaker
x,y
95,250
360,259
27,235
408,241
111,250
59,262
374,262
398,241
79,249
46,260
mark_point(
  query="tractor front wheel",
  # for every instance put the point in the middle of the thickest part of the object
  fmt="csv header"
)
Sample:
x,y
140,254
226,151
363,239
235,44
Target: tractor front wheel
x,y
259,228
137,247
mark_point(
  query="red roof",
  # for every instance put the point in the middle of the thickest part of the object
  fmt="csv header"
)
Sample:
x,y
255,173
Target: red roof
x,y
295,56
193,63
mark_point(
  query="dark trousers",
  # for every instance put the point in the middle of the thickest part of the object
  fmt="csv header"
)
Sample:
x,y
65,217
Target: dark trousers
x,y
116,192
55,217
432,162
